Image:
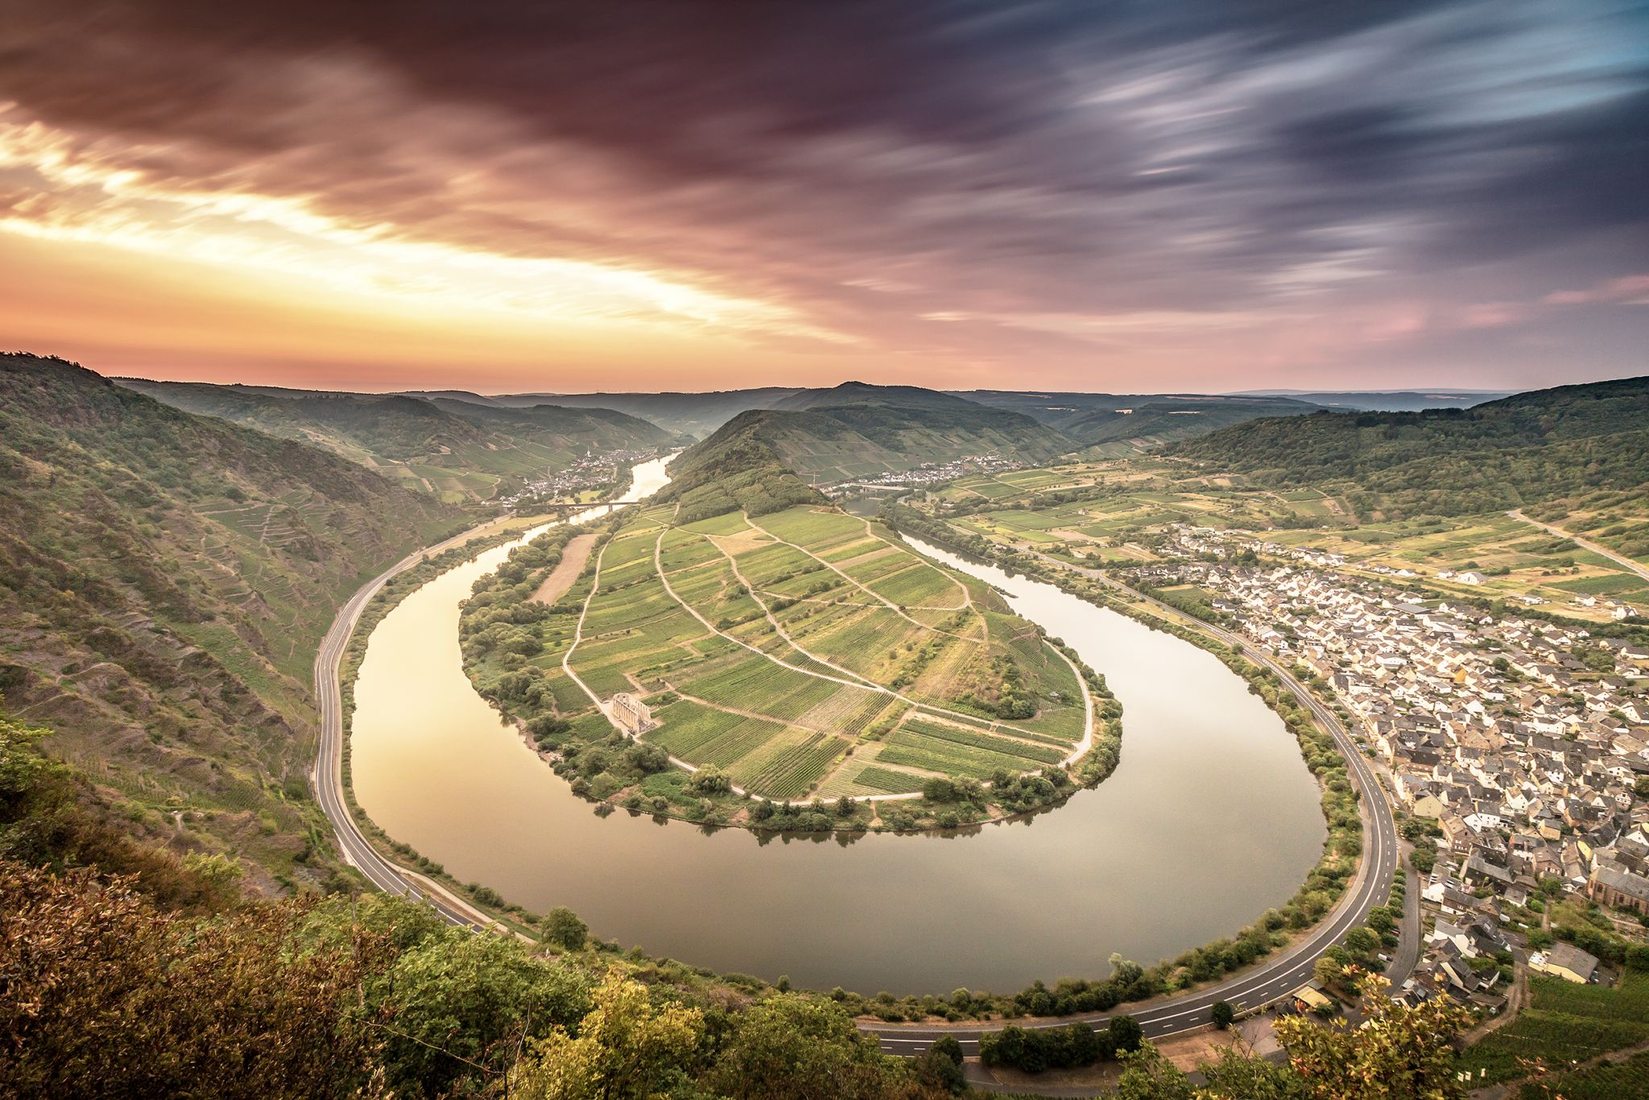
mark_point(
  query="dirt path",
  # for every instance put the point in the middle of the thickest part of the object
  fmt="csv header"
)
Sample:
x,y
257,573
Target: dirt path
x,y
872,593
1620,560
1515,999
1511,1088
566,571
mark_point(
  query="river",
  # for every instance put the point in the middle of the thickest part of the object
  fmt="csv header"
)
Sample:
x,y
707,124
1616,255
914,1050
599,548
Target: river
x,y
1210,818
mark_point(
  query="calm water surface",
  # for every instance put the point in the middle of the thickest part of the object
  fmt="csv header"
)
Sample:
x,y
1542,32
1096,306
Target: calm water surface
x,y
1211,818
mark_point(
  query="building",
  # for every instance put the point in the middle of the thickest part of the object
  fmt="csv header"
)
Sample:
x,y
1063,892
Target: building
x,y
1619,889
634,716
1565,961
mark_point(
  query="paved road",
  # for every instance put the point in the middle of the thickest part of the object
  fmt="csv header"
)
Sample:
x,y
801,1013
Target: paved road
x,y
1277,975
1258,986
1624,562
327,778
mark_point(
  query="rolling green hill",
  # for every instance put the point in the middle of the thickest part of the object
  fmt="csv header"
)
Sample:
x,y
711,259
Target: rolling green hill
x,y
165,579
1096,418
861,431
1530,448
696,414
456,449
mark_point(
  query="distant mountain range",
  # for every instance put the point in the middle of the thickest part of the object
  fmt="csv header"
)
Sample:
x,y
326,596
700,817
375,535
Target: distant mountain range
x,y
459,449
1531,447
1150,419
857,430
1387,400
696,414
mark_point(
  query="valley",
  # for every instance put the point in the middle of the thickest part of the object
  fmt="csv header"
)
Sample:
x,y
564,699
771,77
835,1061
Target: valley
x,y
738,650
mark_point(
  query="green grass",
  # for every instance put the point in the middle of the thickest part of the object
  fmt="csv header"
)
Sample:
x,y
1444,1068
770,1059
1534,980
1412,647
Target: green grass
x,y
1564,1022
887,780
1623,1080
1615,584
989,742
915,750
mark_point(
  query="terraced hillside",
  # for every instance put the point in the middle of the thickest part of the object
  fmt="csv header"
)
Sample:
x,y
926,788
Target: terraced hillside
x,y
801,654
457,450
164,581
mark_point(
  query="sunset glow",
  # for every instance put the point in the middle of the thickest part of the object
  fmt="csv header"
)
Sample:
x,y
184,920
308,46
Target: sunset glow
x,y
1064,199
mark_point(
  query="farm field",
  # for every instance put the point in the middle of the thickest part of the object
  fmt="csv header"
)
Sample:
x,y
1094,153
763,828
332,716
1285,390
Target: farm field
x,y
1564,1023
809,653
1116,511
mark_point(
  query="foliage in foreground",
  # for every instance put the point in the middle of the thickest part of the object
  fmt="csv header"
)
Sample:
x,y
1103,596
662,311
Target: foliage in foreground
x,y
103,994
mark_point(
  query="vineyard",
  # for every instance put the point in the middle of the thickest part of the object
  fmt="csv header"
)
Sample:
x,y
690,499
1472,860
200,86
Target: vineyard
x,y
1564,1023
769,650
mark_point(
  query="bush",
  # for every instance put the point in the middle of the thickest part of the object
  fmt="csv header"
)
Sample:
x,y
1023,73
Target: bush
x,y
565,929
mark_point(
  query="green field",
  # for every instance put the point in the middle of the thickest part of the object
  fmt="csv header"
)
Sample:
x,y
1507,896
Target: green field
x,y
1564,1022
771,648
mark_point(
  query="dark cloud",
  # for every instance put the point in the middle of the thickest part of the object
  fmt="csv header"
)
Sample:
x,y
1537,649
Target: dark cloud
x,y
1040,157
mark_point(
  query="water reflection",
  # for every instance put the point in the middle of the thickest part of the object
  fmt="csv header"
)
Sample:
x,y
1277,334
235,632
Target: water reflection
x,y
1210,818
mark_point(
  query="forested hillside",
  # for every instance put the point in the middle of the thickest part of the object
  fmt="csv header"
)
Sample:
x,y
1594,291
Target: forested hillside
x,y
736,469
1527,449
165,579
1094,418
696,414
458,450
875,430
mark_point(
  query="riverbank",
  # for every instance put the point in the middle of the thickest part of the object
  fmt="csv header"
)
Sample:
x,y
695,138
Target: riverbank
x,y
510,645
1215,801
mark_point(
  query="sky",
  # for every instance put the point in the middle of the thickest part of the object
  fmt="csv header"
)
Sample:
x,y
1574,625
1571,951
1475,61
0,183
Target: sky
x,y
538,195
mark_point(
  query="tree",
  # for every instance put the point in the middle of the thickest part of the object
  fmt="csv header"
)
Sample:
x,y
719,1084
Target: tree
x,y
1361,942
801,1049
1400,1052
626,1049
1224,1014
565,929
458,1001
1126,1034
940,1066
1147,1075
710,781
1240,1075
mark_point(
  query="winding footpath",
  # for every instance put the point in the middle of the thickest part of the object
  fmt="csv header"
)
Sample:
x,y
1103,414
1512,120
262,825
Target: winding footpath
x,y
1260,985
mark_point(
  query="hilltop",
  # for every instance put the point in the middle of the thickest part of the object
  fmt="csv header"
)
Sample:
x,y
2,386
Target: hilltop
x,y
1155,419
1533,447
164,581
696,414
857,431
451,446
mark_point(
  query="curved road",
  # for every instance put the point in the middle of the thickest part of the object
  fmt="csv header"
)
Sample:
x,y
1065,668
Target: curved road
x,y
1273,977
327,779
1269,980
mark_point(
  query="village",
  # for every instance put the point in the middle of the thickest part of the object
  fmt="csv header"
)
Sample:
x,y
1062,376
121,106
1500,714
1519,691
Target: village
x,y
1517,748
927,475
589,473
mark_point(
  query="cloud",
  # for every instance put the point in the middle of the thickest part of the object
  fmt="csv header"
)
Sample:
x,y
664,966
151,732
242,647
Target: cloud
x,y
1627,290
1076,178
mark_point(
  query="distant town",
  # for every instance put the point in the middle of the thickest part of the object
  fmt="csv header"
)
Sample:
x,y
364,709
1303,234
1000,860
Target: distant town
x,y
1508,741
585,480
